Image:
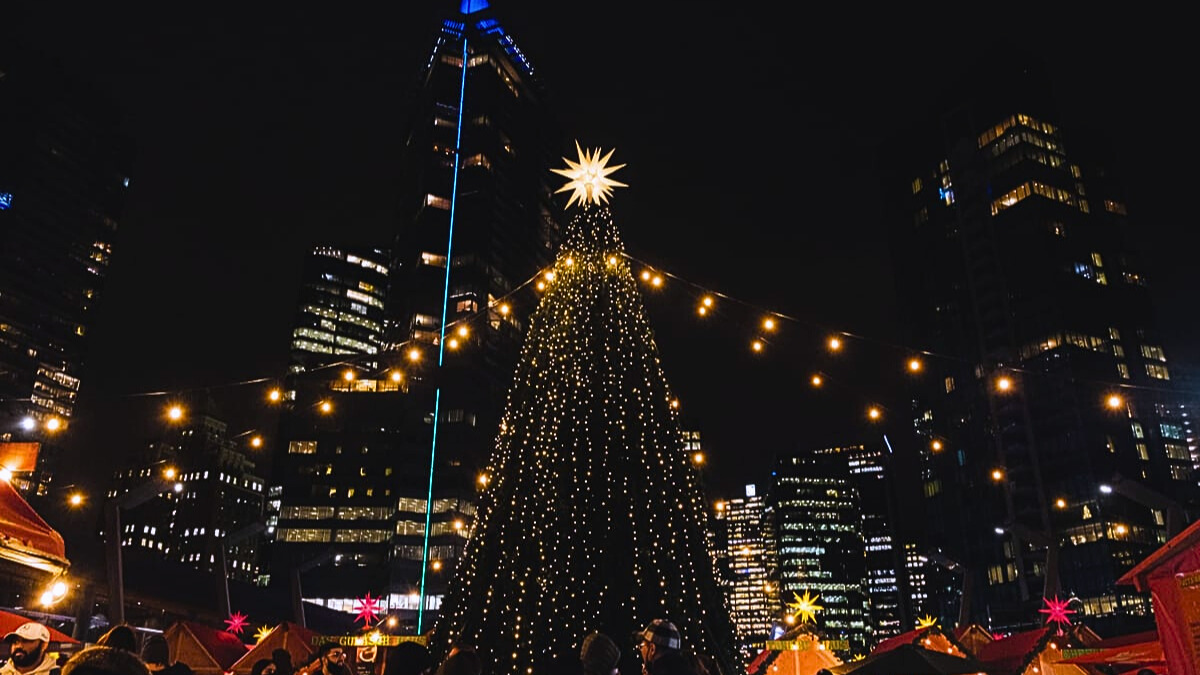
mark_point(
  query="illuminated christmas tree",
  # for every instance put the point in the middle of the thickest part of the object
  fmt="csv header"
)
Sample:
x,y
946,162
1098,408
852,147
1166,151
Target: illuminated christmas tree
x,y
591,516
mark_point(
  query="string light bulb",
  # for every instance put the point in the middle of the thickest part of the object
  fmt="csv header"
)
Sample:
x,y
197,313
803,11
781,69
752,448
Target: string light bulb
x,y
396,376
656,281
817,381
1114,401
53,424
256,442
414,354
936,445
1060,503
463,331
997,475
768,323
914,365
175,413
75,499
698,458
874,413
1004,383
835,344
326,407
452,343
348,375
504,309
757,345
274,395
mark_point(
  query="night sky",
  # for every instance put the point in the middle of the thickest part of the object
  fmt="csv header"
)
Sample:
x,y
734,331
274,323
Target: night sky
x,y
749,139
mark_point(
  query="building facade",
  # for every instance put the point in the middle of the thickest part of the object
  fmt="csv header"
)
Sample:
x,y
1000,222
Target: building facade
x,y
819,537
64,173
1056,451
209,514
751,586
380,455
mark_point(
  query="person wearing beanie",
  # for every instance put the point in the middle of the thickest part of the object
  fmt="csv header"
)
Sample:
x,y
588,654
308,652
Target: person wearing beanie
x,y
102,660
599,655
29,651
659,646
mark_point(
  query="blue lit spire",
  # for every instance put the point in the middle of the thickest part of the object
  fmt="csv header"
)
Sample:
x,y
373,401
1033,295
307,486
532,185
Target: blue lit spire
x,y
472,6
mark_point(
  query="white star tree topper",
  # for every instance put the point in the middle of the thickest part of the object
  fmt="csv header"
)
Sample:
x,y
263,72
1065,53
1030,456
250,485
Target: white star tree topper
x,y
589,182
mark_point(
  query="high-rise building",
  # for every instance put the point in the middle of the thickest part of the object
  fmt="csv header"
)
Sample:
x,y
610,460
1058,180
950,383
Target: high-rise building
x,y
819,538
383,476
1057,456
341,306
750,583
210,512
868,467
64,171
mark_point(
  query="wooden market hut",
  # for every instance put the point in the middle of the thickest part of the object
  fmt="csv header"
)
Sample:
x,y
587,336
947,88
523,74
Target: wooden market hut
x,y
799,652
207,651
296,639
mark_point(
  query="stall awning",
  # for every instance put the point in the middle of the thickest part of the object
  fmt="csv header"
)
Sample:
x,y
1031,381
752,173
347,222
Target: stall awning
x,y
25,538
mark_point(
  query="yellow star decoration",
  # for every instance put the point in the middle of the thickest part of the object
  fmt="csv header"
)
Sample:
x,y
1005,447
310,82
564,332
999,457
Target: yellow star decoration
x,y
263,632
806,607
926,621
589,177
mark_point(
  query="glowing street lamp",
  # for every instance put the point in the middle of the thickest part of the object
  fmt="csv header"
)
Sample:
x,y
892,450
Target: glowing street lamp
x,y
274,395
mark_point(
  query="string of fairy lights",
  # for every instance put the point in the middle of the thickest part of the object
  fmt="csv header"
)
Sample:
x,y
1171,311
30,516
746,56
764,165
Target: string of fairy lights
x,y
760,335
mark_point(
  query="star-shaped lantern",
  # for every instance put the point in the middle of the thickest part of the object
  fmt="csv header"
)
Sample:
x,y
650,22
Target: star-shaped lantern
x,y
236,623
1056,611
805,607
926,621
589,182
263,632
368,609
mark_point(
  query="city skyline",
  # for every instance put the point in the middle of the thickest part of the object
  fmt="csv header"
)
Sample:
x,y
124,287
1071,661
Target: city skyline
x,y
256,145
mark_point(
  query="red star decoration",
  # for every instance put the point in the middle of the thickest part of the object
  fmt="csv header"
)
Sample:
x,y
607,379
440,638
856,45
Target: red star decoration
x,y
236,623
368,609
1056,611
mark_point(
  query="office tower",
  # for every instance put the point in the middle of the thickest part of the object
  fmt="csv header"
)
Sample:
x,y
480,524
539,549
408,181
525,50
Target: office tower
x,y
353,479
340,313
209,514
750,552
1056,453
818,526
64,170
870,475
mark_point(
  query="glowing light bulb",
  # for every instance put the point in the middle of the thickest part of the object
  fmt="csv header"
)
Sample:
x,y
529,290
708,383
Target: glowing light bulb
x,y
504,310
720,506
326,407
675,403
612,260
6,474
646,275
274,395
414,354
391,622
656,281
178,487
256,442
170,472
463,331
698,458
28,423
1114,401
914,365
452,343
936,445
1120,529
834,344
549,275
437,565
541,285
483,479
1003,383
53,424
569,261
458,524
757,345
348,376
397,376
769,323
47,599
874,413
817,381
175,413
707,301
702,310
1060,503
997,475
75,499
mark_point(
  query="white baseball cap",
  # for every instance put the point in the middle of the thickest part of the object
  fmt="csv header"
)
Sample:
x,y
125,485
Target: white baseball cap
x,y
29,631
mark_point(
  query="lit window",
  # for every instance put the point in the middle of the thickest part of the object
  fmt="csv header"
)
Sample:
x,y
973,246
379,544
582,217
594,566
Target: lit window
x,y
1157,371
302,448
916,185
437,202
